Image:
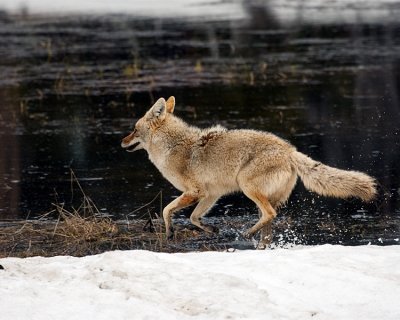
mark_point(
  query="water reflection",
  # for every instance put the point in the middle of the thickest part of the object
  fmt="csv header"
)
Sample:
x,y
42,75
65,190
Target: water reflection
x,y
10,175
70,88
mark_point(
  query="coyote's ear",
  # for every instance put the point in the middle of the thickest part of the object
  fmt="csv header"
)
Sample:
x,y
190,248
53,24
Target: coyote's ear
x,y
158,110
171,104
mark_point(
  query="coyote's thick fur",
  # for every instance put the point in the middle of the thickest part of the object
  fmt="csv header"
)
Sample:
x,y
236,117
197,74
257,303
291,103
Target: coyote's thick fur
x,y
206,164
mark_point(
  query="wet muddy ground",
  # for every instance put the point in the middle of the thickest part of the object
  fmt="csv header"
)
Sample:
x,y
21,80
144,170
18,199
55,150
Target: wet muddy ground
x,y
72,86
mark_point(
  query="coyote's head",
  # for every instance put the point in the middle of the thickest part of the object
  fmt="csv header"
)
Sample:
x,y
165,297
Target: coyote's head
x,y
154,118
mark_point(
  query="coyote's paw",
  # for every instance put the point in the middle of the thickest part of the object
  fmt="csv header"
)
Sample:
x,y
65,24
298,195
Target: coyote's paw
x,y
170,233
261,246
247,235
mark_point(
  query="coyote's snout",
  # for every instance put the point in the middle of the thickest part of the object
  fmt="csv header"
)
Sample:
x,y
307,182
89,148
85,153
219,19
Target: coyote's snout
x,y
206,164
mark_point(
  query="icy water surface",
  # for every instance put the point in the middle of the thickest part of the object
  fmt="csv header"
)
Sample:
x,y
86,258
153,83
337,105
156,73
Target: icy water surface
x,y
327,79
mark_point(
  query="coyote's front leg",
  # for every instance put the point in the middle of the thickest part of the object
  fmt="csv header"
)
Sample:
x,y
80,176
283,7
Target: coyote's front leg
x,y
183,201
201,210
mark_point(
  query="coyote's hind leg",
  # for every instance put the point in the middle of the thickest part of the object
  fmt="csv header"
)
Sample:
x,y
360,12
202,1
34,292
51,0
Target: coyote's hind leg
x,y
268,213
265,236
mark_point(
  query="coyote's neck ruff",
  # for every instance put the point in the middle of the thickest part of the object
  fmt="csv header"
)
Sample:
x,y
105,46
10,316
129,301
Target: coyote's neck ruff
x,y
205,164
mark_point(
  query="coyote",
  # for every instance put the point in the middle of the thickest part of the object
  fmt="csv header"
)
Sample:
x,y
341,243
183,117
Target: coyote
x,y
206,164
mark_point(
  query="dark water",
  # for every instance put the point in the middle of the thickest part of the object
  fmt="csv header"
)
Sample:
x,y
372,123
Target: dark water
x,y
71,87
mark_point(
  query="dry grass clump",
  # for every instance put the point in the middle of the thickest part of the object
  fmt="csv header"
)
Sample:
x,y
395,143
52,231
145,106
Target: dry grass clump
x,y
73,235
77,226
76,235
84,229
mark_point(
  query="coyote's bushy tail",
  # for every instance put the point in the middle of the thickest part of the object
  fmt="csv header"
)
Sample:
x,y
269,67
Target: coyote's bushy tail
x,y
333,182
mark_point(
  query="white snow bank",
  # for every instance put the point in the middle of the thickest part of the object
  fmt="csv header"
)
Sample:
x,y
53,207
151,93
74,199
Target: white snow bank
x,y
285,11
150,8
324,282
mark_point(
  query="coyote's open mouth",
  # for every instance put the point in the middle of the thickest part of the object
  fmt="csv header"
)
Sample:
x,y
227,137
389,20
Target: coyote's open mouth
x,y
132,147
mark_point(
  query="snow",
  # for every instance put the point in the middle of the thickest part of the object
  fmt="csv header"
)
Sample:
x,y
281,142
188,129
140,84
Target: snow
x,y
285,11
322,282
150,8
